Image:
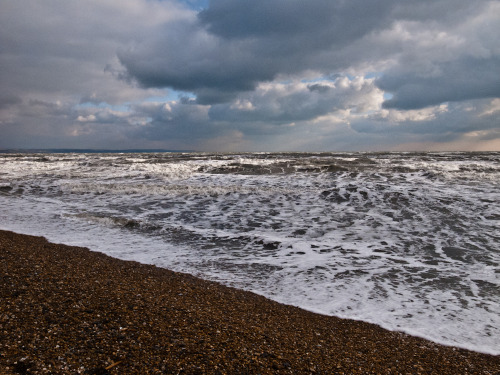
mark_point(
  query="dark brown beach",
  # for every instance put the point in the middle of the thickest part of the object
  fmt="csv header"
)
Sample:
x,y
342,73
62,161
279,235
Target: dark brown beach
x,y
68,310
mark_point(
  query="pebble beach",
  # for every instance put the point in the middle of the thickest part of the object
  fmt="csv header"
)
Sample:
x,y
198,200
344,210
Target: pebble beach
x,y
69,310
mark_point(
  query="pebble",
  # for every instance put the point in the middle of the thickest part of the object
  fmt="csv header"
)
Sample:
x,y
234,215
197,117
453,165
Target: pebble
x,y
68,310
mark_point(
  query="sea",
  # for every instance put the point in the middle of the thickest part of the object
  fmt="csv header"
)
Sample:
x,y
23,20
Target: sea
x,y
408,241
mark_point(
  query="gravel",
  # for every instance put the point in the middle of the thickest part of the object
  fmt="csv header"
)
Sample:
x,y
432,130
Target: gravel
x,y
68,310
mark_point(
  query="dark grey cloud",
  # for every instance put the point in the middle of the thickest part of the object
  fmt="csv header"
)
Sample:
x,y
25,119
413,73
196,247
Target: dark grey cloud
x,y
466,79
185,58
448,123
182,119
7,100
328,21
232,46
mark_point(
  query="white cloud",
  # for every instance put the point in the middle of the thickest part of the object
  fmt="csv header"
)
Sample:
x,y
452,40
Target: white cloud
x,y
295,100
424,114
492,108
89,118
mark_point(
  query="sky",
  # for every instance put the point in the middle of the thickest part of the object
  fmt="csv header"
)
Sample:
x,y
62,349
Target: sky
x,y
259,75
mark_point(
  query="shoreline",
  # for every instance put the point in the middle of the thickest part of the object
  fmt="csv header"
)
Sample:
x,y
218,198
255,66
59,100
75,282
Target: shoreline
x,y
68,309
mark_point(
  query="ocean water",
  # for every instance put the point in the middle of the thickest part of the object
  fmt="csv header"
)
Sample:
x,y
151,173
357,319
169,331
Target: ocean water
x,y
408,241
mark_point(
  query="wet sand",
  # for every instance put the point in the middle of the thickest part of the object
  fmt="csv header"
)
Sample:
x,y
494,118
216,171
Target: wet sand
x,y
68,310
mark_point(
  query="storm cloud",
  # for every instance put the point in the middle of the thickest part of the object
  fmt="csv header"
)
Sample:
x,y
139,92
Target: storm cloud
x,y
470,78
234,45
271,74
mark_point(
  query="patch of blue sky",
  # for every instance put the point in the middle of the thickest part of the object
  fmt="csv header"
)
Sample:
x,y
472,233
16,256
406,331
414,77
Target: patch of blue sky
x,y
316,80
124,107
373,75
170,96
334,76
196,4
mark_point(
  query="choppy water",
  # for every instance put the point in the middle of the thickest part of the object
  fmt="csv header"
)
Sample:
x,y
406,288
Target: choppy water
x,y
407,241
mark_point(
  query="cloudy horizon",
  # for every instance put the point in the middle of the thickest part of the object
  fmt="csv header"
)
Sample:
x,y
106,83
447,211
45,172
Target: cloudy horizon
x,y
225,75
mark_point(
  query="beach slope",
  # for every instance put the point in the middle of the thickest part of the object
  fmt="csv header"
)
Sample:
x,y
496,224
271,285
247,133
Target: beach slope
x,y
68,310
